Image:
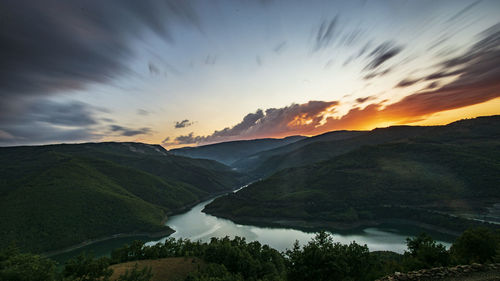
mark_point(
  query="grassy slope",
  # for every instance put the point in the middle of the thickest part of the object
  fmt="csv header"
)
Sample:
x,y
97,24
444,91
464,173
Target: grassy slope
x,y
54,196
166,269
454,169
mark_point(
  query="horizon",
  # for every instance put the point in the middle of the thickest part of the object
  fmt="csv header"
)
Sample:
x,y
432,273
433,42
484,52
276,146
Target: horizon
x,y
197,73
243,140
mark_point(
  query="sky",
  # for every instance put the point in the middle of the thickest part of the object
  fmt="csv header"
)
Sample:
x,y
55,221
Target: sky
x,y
180,73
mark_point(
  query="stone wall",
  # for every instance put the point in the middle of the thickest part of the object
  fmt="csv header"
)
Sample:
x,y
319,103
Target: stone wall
x,y
451,273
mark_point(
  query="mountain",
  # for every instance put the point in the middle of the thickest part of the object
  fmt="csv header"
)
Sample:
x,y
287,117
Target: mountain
x,y
423,175
249,163
229,152
58,195
321,148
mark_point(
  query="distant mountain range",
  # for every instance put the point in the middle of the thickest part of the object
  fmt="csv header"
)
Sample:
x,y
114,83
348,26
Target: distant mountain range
x,y
429,175
229,152
58,195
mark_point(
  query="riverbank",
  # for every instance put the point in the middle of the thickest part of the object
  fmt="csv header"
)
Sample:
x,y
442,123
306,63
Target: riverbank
x,y
159,234
89,242
313,226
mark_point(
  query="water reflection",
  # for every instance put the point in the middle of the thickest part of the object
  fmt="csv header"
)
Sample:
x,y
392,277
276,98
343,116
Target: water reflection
x,y
196,225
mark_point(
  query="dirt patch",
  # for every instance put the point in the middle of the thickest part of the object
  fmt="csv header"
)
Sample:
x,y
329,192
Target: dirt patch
x,y
167,269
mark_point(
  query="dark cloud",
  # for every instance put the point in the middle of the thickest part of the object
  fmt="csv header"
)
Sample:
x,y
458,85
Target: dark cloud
x,y
127,132
153,69
187,139
364,49
433,85
351,37
374,74
280,47
464,10
53,46
365,99
210,60
325,34
441,74
165,141
183,124
46,121
407,82
382,53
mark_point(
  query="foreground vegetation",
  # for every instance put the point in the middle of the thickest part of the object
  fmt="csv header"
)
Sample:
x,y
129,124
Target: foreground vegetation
x,y
58,195
236,259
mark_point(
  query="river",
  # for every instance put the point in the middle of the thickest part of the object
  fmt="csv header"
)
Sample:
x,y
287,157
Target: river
x,y
196,225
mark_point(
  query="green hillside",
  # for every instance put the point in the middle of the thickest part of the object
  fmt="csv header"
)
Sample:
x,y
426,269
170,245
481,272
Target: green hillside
x,y
453,169
59,195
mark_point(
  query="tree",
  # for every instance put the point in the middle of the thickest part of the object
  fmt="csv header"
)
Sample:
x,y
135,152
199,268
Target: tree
x,y
86,268
15,266
322,259
425,252
476,245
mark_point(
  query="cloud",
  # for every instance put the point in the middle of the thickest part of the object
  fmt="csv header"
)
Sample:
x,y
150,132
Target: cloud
x,y
59,46
407,82
127,132
374,74
477,81
365,99
183,124
142,112
210,60
432,85
382,53
463,11
48,121
273,122
258,60
280,47
325,34
153,69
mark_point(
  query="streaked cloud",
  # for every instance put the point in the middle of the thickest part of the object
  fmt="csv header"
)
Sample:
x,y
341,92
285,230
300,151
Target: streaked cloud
x,y
382,53
128,132
478,80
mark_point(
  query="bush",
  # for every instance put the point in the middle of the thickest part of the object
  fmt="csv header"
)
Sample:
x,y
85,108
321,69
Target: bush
x,y
86,268
15,266
424,252
476,245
